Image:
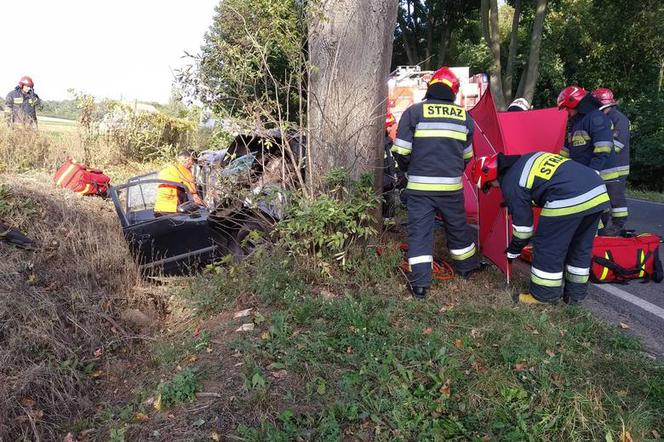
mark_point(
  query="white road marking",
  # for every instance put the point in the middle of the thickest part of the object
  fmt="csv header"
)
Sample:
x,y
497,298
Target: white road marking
x,y
657,203
645,305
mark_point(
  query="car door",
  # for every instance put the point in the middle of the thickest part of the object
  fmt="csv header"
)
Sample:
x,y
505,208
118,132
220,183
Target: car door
x,y
168,244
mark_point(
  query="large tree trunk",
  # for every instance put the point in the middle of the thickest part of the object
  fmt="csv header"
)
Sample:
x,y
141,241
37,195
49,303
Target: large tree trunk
x,y
514,48
532,72
445,36
348,84
491,35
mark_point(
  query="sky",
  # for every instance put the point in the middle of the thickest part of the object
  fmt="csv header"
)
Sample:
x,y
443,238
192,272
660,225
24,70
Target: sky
x,y
120,49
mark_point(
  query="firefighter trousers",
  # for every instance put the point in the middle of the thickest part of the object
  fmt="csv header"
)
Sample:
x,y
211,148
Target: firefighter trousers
x,y
422,211
619,212
562,250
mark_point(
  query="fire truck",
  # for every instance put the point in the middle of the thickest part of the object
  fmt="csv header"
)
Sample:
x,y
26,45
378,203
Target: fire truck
x,y
408,85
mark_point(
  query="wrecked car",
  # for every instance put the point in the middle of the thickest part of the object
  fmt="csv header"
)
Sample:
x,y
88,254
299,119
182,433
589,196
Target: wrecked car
x,y
244,188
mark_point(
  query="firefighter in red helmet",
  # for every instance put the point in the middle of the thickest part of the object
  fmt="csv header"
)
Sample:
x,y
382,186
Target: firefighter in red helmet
x,y
433,146
572,198
21,103
616,188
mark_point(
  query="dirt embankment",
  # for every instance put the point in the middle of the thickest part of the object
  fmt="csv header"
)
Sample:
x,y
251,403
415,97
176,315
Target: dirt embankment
x,y
59,305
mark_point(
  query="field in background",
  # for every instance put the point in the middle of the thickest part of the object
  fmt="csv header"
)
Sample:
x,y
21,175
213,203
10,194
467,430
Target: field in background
x,y
60,125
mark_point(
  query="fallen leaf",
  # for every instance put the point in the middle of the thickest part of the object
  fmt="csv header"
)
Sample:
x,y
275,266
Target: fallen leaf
x,y
28,402
141,417
69,438
427,331
208,350
626,437
215,436
563,333
265,335
349,350
242,313
245,327
550,353
624,326
556,377
459,343
475,333
622,393
157,403
99,352
445,389
279,374
655,434
521,366
96,374
486,438
192,358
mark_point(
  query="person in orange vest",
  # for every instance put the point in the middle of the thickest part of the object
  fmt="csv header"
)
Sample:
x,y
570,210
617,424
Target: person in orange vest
x,y
169,197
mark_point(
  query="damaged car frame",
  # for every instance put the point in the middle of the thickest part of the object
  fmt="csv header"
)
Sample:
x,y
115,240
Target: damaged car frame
x,y
244,187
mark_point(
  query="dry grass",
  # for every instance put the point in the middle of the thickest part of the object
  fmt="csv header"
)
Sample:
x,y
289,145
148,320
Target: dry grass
x,y
59,304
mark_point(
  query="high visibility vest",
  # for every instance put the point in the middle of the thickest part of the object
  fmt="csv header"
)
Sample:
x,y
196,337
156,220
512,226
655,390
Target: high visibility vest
x,y
167,195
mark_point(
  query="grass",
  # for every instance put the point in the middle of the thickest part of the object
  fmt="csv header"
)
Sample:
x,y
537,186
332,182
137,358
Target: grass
x,y
647,195
365,362
57,125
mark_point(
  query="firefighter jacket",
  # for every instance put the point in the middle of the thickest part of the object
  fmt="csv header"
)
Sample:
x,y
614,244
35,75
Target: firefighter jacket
x,y
21,107
169,196
433,145
559,186
620,127
590,140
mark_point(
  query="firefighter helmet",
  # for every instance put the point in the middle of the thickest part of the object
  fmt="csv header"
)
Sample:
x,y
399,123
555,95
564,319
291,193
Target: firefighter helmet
x,y
390,120
26,81
570,97
605,97
485,170
446,76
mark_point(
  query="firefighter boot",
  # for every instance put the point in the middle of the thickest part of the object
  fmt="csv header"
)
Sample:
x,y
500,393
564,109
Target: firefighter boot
x,y
419,293
527,298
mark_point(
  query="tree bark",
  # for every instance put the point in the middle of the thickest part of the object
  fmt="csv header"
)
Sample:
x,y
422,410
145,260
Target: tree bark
x,y
532,72
348,84
445,36
491,35
511,57
660,77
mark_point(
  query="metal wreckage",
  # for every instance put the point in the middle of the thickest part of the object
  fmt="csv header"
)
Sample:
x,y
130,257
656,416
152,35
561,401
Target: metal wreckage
x,y
244,187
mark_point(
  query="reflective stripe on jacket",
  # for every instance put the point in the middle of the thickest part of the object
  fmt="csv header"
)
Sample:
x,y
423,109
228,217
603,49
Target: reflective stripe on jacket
x,y
22,106
434,142
590,142
620,127
559,186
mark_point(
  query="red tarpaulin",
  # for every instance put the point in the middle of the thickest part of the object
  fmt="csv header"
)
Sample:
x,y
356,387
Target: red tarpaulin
x,y
511,133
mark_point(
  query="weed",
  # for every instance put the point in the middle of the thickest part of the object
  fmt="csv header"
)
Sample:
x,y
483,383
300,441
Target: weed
x,y
183,387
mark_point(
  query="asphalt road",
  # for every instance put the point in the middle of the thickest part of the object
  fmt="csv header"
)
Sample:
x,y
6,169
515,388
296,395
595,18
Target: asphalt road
x,y
637,306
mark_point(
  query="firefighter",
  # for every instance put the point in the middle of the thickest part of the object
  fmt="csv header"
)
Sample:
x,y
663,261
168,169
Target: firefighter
x,y
616,188
589,137
21,103
433,146
169,197
572,197
518,105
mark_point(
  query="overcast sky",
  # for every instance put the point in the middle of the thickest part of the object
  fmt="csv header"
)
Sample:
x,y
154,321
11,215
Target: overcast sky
x,y
108,48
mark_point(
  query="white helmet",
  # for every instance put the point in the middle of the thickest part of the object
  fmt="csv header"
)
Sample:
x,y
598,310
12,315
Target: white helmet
x,y
520,104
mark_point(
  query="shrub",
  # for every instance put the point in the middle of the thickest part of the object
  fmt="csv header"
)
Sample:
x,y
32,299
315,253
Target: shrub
x,y
327,226
647,142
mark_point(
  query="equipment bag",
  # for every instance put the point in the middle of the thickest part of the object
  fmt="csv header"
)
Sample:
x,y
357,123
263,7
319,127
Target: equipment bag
x,y
619,259
81,179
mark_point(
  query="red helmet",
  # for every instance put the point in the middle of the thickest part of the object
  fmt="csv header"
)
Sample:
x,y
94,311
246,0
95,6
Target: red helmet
x,y
570,97
390,120
446,76
26,81
485,170
604,96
